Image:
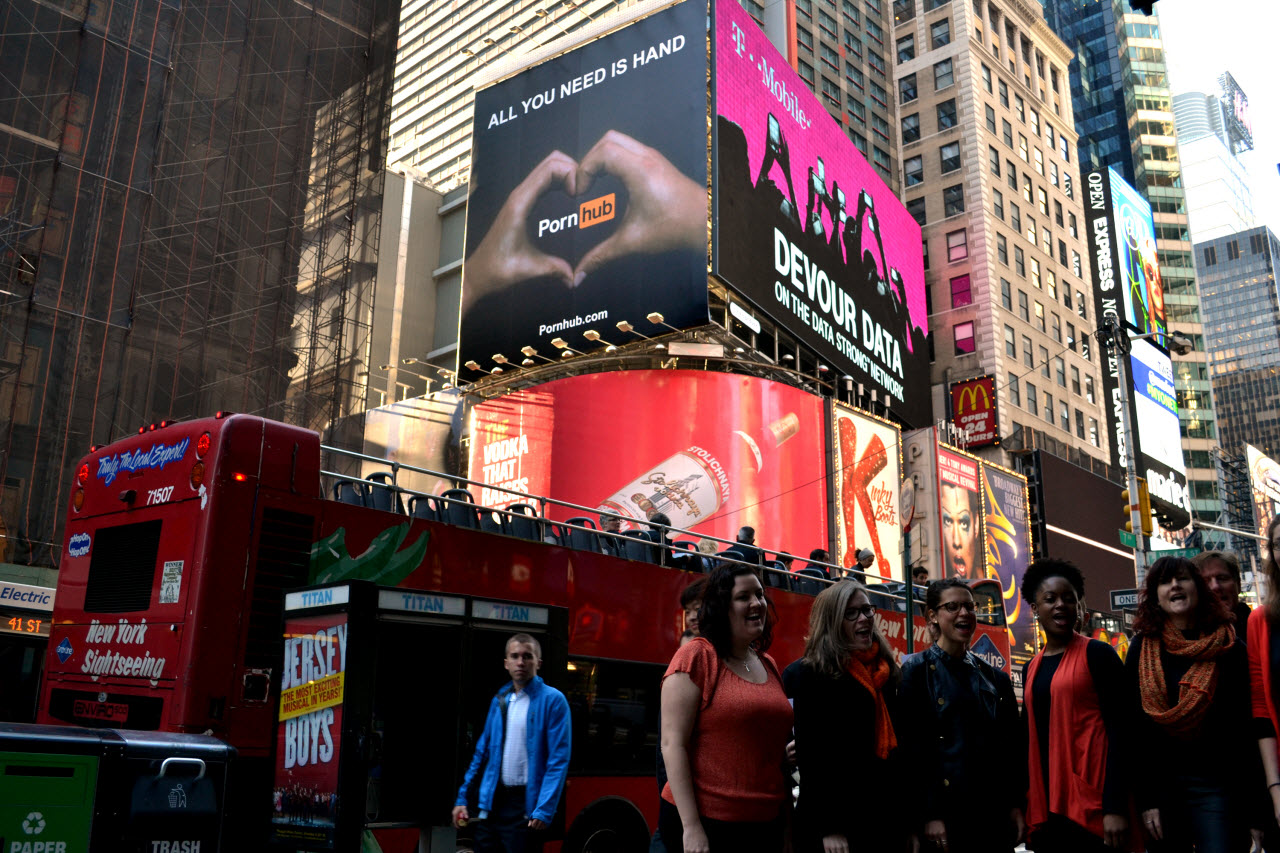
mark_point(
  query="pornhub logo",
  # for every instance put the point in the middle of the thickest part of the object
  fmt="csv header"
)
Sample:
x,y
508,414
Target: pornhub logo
x,y
592,212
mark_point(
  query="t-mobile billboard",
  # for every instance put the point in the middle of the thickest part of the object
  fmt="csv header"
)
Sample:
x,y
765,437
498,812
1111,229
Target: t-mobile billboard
x,y
845,274
589,192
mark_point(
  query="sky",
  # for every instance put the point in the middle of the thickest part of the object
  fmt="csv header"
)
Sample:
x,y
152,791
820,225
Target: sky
x,y
1237,36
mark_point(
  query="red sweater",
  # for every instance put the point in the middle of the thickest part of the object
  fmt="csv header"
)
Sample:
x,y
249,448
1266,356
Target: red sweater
x,y
1259,639
1077,744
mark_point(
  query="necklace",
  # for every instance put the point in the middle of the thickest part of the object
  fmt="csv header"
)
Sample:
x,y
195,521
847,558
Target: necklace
x,y
746,664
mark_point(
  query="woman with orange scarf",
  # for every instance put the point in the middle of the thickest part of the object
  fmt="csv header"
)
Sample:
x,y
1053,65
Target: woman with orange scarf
x,y
1189,679
844,692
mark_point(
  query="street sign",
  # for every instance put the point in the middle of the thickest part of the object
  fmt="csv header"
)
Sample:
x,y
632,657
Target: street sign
x,y
1127,538
1174,552
1128,618
1124,599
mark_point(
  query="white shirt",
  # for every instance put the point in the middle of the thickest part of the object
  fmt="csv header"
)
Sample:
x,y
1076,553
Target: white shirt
x,y
515,748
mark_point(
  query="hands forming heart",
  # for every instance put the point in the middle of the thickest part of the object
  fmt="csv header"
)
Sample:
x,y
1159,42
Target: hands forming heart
x,y
666,211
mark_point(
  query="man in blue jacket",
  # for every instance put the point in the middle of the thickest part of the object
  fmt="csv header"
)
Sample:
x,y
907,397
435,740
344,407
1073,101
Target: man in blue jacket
x,y
524,752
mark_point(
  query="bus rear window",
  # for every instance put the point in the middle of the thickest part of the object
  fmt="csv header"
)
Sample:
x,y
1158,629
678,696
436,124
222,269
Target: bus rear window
x,y
122,568
990,607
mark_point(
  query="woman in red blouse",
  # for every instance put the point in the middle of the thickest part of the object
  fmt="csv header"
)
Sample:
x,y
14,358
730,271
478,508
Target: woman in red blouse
x,y
725,727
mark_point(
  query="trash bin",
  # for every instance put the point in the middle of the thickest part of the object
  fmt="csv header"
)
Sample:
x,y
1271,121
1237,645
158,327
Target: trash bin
x,y
69,790
48,783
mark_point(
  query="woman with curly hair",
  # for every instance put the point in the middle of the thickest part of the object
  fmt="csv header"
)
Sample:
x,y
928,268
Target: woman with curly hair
x,y
1075,711
1264,659
1189,678
847,674
726,723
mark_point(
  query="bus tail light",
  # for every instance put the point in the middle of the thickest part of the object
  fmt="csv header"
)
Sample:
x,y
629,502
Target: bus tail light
x,y
83,474
240,478
77,500
197,475
202,445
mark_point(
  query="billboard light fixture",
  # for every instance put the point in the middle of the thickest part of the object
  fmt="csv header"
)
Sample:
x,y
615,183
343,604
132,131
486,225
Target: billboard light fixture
x,y
559,343
472,365
528,362
592,335
500,358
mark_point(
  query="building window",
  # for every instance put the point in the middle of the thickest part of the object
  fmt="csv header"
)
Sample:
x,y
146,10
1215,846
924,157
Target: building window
x,y
1004,94
1019,109
1055,327
943,75
913,170
1053,173
1032,404
1076,267
1060,371
1088,388
1006,132
1027,358
993,157
1002,249
1009,348
1257,245
991,118
1048,407
1024,307
1210,256
1022,148
953,200
827,23
940,34
1093,432
1046,243
950,157
1015,395
1071,228
1035,273
964,338
1071,335
1080,309
997,203
1057,214
1044,358
930,5
1042,199
911,128
1026,189
907,89
1006,294
1063,149
986,78
1035,122
1064,417
1015,217
1038,156
916,208
1075,381
903,10
806,71
830,90
947,115
957,246
906,48
1019,261
1011,171
961,294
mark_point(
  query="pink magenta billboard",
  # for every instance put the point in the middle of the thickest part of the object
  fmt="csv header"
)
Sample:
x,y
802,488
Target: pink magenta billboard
x,y
714,451
805,228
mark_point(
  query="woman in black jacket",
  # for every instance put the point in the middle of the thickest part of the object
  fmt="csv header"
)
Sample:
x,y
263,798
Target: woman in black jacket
x,y
843,691
961,735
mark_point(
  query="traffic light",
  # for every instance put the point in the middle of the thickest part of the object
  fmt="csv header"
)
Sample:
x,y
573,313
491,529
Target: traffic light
x,y
1144,508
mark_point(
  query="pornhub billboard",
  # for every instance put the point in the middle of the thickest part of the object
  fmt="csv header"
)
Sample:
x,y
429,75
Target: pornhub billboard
x,y
589,192
806,230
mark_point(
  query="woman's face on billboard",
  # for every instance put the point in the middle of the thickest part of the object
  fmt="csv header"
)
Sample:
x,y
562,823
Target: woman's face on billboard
x,y
959,533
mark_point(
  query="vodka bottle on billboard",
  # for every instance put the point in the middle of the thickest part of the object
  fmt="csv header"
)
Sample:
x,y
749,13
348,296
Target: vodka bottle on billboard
x,y
695,484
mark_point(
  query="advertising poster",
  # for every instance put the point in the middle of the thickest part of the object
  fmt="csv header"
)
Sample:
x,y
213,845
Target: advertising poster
x,y
960,515
1155,413
589,192
973,411
1008,550
867,462
714,451
424,432
806,230
1264,480
510,447
1138,269
309,729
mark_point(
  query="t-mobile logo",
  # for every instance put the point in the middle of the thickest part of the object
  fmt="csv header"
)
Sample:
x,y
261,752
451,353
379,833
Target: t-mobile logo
x,y
739,38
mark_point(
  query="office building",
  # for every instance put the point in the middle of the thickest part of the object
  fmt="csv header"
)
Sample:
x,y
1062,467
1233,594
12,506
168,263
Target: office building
x,y
1213,129
1242,331
989,170
161,168
1124,116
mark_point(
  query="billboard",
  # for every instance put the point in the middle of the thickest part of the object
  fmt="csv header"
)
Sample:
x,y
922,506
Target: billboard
x,y
960,515
1122,241
973,411
1007,525
588,196
1264,482
1159,436
867,460
714,451
424,432
844,273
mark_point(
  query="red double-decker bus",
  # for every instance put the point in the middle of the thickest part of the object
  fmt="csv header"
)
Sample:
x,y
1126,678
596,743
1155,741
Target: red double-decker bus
x,y
182,540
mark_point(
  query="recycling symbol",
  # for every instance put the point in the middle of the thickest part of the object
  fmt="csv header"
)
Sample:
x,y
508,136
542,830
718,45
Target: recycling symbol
x,y
33,823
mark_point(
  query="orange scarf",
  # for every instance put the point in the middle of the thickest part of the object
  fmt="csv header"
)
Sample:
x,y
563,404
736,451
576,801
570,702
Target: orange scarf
x,y
1195,691
872,671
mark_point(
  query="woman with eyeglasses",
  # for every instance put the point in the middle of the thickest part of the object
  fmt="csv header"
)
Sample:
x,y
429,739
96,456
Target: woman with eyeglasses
x,y
1189,682
847,671
962,717
1075,711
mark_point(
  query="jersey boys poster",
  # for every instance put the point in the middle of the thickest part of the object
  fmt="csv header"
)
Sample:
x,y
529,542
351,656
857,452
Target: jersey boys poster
x,y
714,451
804,227
588,196
960,515
309,729
867,465
1007,532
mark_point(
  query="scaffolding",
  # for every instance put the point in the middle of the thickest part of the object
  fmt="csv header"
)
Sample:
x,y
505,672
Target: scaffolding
x,y
189,206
